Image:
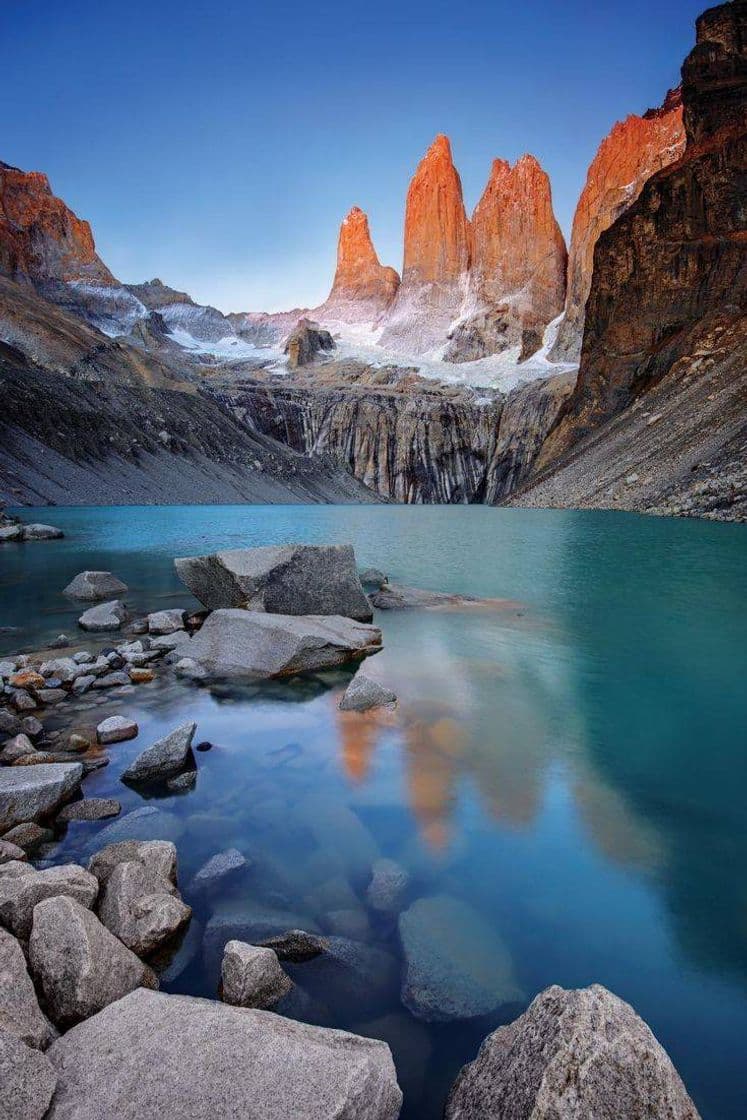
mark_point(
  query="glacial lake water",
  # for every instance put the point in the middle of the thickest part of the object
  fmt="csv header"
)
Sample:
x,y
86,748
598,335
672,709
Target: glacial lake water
x,y
571,771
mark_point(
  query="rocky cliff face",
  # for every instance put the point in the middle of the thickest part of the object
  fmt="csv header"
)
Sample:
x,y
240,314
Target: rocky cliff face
x,y
363,288
635,149
41,239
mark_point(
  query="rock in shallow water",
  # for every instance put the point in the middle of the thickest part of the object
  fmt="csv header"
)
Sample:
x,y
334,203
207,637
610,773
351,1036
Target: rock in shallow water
x,y
166,757
364,693
252,976
141,907
104,617
95,585
116,729
288,579
143,1057
572,1054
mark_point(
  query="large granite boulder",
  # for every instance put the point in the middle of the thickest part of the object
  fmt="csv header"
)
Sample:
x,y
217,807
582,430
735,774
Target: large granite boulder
x,y
164,758
104,617
91,586
27,1080
158,857
572,1054
150,1055
20,1013
141,907
22,887
252,976
252,645
287,579
456,966
78,964
364,693
30,793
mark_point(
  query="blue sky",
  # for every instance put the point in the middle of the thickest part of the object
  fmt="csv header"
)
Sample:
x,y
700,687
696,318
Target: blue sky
x,y
218,145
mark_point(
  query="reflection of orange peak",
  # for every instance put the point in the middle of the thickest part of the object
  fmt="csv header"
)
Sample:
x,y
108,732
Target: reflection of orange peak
x,y
358,733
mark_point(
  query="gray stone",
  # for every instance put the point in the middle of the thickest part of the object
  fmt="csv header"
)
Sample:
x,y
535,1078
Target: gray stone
x,y
183,782
78,964
251,922
116,729
95,585
17,747
252,976
28,836
82,684
111,680
21,700
158,857
9,723
395,596
364,693
31,726
252,645
83,657
89,809
63,668
28,793
10,533
572,1054
218,869
50,695
166,622
165,757
149,1055
456,966
22,887
38,532
286,579
296,945
142,908
20,1013
373,577
388,887
27,1078
145,823
105,616
10,851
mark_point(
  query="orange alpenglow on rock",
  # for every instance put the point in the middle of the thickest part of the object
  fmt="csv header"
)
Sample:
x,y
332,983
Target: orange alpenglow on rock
x,y
362,287
41,239
634,150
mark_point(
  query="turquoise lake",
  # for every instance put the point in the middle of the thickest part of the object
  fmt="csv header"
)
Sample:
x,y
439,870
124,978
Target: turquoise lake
x,y
571,769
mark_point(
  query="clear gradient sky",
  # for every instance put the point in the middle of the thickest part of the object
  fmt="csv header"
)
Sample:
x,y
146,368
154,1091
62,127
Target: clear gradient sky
x,y
218,145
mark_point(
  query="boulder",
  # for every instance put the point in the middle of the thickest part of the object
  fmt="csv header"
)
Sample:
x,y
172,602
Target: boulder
x,y
294,579
20,1013
252,976
146,823
38,532
28,793
22,887
28,1080
249,921
116,729
10,533
253,645
89,809
10,851
28,836
95,585
306,340
456,966
143,1057
364,693
218,869
105,616
158,857
164,758
10,724
395,596
141,907
182,783
166,622
572,1054
17,747
78,964
388,887
295,945
373,578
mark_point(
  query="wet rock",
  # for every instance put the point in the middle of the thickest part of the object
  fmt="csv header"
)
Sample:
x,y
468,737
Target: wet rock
x,y
22,887
253,645
571,1054
79,966
95,585
167,756
112,680
29,793
21,700
252,976
104,617
142,908
20,1013
295,945
351,923
60,642
28,1080
364,693
89,809
10,851
350,973
116,729
27,678
28,836
373,578
158,857
388,887
10,533
166,622
31,726
396,596
168,642
182,783
218,870
456,966
82,684
146,823
141,676
39,532
182,953
137,1059
285,579
51,695
250,922
17,747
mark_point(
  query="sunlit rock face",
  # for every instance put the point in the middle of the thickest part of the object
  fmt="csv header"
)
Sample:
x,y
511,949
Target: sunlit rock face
x,y
634,150
436,255
362,288
41,239
518,264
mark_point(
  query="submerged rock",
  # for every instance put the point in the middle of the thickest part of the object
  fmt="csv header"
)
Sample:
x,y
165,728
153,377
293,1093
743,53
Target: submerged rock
x,y
255,645
95,585
218,869
252,976
296,945
388,887
287,579
28,793
456,965
166,757
27,1077
89,809
395,596
572,1054
105,616
144,1056
364,693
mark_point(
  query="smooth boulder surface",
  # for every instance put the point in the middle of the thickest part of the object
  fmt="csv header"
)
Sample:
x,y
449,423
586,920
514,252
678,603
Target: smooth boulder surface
x,y
95,585
27,1080
164,758
252,976
151,1056
22,887
78,964
247,645
90,809
295,579
116,729
456,966
364,693
20,1013
28,793
105,616
572,1054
